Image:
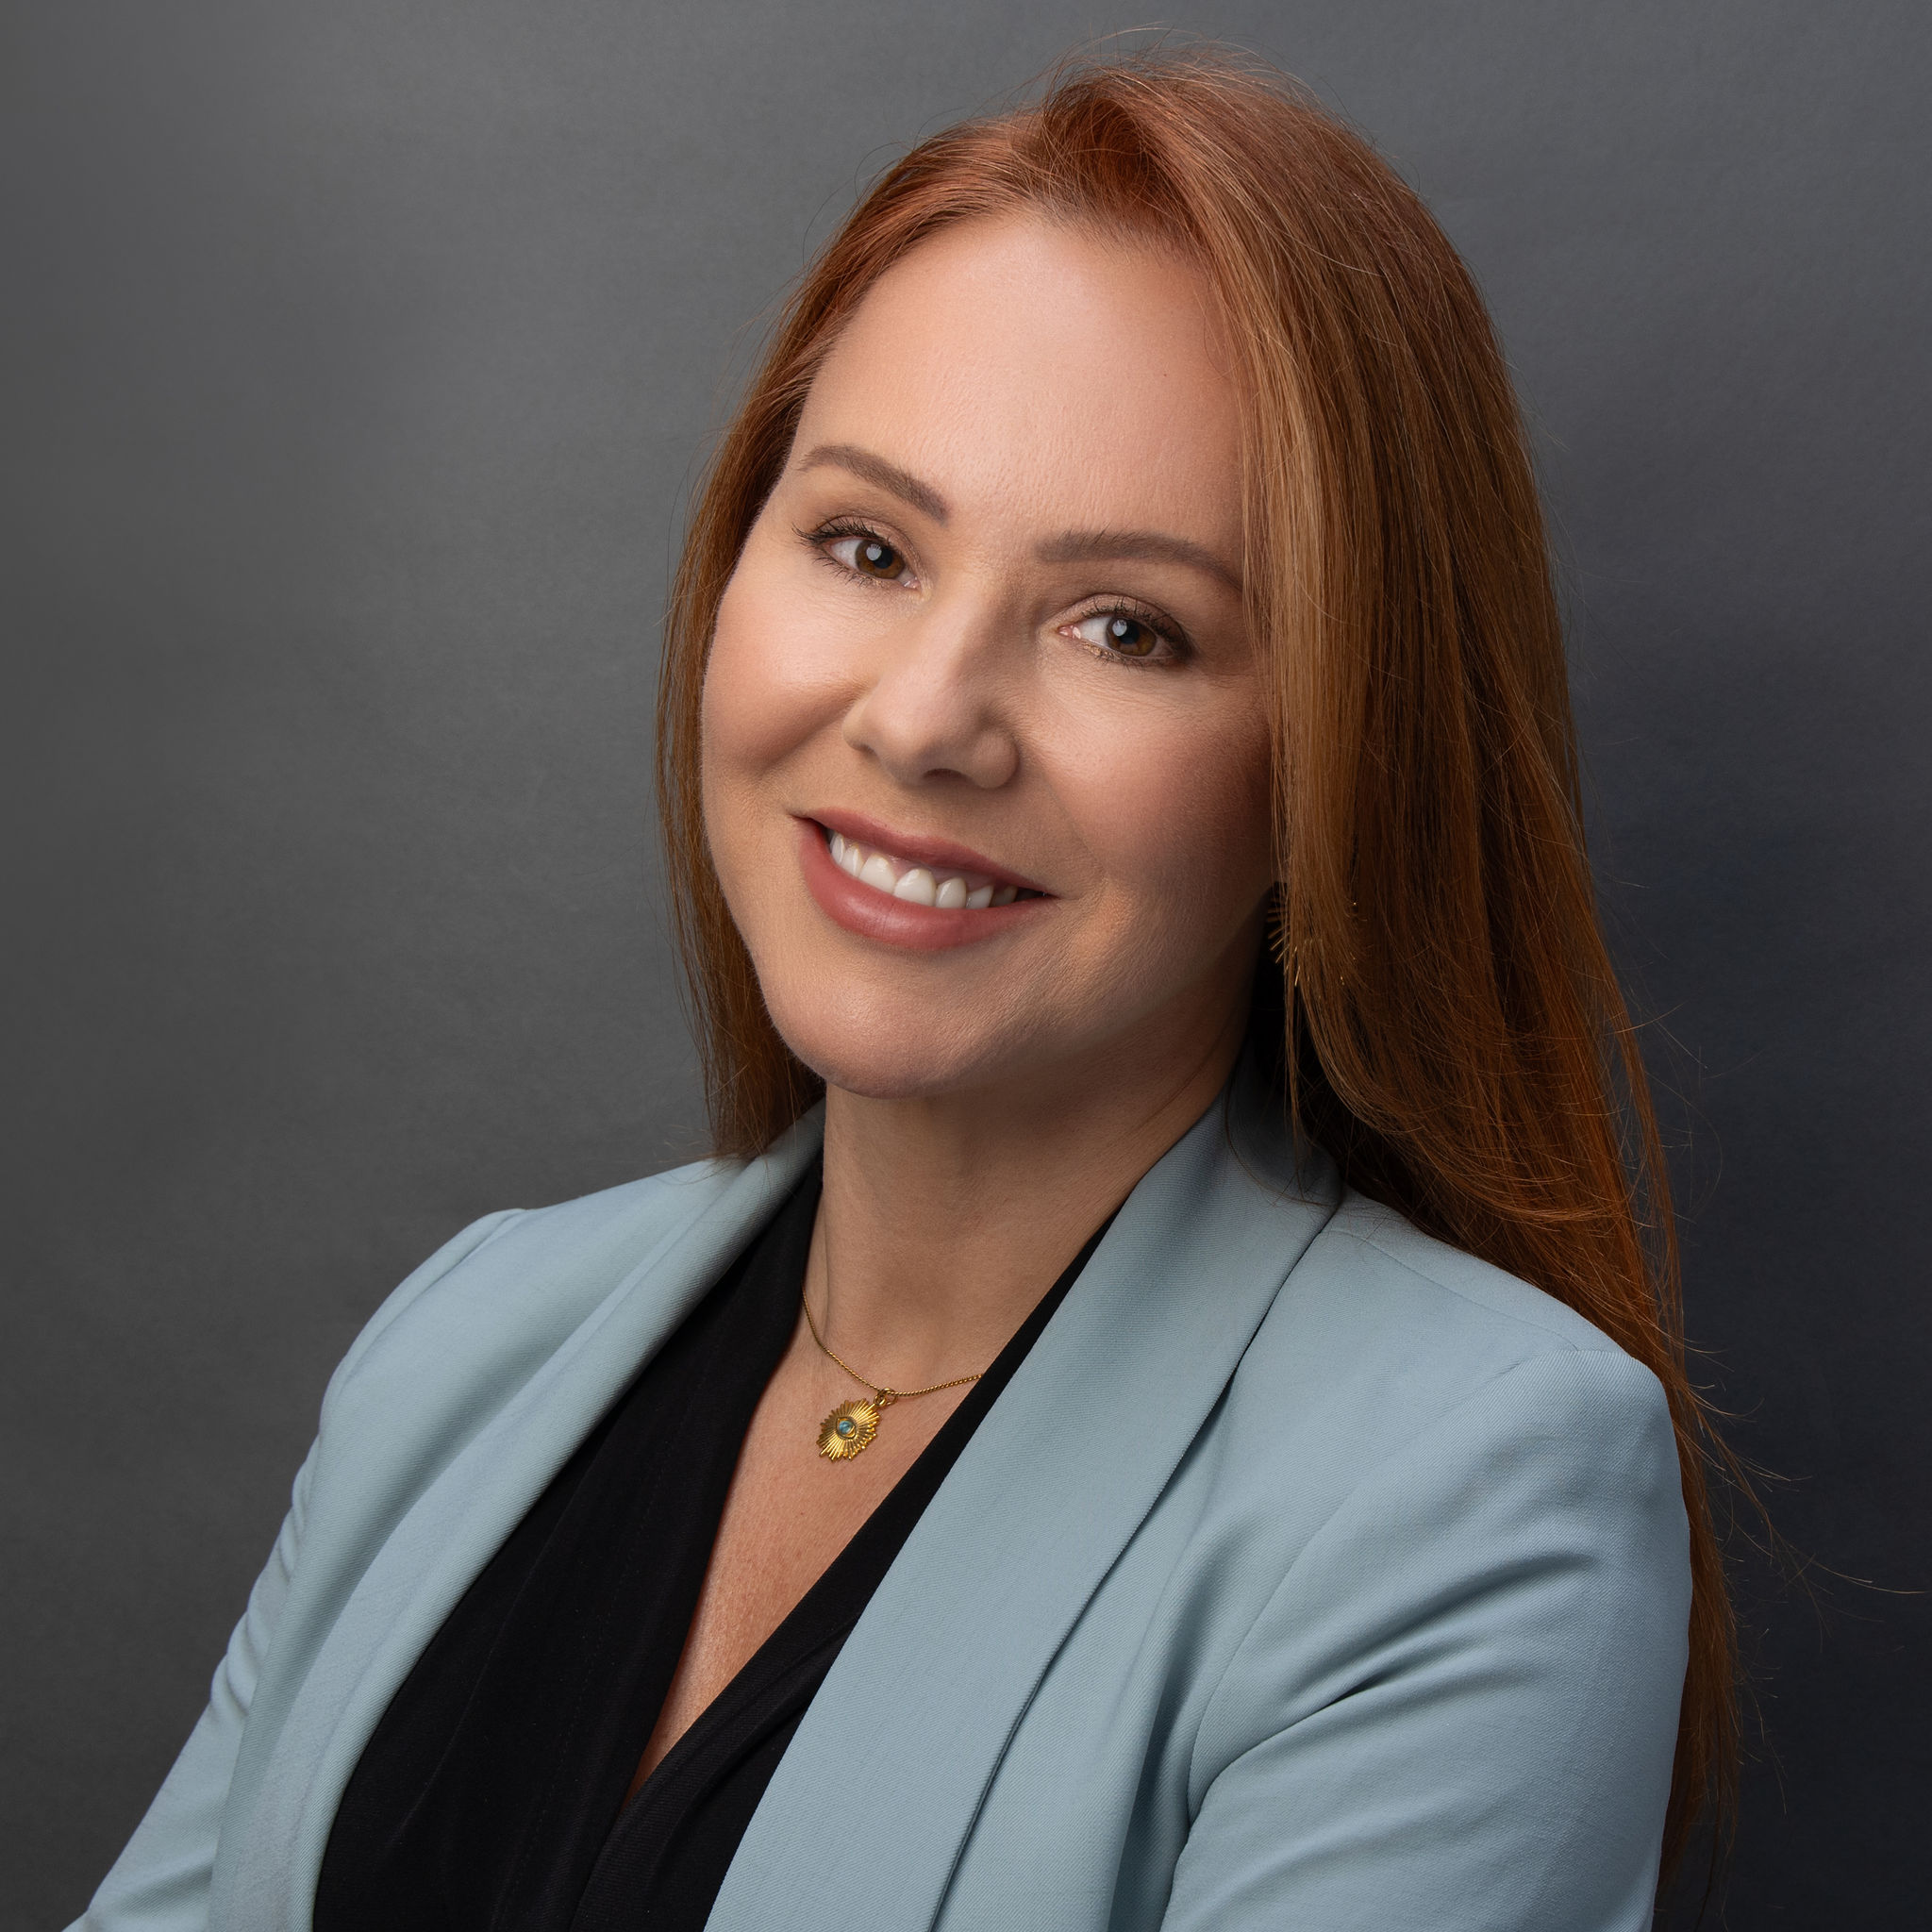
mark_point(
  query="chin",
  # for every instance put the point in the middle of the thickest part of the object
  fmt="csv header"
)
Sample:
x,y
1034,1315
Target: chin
x,y
881,1051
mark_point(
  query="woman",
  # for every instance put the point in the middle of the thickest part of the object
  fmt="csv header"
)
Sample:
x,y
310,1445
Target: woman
x,y
1167,1407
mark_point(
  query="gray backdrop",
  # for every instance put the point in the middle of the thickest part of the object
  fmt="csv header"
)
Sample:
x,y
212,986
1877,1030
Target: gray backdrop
x,y
357,357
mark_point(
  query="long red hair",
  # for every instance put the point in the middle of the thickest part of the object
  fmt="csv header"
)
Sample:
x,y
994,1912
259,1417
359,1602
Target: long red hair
x,y
1444,1015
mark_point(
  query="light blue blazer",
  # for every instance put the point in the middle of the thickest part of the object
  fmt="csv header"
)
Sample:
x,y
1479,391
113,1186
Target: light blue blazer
x,y
1309,1575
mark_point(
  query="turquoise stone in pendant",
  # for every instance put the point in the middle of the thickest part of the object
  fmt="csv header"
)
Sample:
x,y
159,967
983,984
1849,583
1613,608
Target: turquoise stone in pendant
x,y
848,1429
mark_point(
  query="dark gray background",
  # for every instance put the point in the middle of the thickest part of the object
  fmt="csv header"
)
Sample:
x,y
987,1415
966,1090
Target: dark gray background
x,y
357,360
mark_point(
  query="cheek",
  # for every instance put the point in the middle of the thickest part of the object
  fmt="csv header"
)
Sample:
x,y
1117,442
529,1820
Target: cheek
x,y
1188,837
753,713
754,718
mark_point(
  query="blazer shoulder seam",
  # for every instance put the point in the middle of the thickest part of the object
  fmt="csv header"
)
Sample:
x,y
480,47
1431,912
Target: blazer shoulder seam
x,y
1557,1330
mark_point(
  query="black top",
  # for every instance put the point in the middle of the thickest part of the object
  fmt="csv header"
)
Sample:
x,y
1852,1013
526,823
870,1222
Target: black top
x,y
491,1794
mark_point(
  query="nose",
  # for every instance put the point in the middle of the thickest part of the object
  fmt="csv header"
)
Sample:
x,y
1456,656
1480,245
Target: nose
x,y
935,708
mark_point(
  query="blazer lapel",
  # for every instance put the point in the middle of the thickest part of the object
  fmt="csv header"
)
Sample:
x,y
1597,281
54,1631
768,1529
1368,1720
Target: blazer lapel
x,y
1051,1487
449,1534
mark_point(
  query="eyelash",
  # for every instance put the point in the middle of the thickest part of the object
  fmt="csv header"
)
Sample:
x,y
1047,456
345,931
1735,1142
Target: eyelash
x,y
1163,628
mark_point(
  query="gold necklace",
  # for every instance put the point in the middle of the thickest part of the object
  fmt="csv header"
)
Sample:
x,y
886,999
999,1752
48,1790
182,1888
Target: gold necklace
x,y
850,1428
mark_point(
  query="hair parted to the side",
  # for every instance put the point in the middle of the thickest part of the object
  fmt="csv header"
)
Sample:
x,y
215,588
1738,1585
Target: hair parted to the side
x,y
1448,1023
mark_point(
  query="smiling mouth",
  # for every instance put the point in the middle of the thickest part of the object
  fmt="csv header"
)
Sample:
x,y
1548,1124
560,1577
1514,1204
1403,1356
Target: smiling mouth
x,y
942,887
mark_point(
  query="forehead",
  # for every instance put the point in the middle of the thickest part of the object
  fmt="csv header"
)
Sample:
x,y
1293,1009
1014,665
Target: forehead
x,y
1032,370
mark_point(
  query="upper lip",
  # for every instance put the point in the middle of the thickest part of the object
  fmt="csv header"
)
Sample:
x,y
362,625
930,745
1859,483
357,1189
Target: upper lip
x,y
939,856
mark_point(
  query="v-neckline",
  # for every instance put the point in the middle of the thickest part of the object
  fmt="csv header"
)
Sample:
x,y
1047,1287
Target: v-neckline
x,y
493,1790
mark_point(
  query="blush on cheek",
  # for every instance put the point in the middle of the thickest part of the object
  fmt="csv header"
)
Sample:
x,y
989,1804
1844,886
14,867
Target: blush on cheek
x,y
746,704
774,678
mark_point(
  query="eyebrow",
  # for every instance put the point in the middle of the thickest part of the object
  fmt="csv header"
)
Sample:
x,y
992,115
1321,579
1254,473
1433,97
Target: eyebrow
x,y
889,477
1154,546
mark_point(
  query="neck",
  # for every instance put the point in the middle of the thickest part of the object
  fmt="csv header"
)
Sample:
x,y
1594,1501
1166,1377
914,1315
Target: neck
x,y
945,1218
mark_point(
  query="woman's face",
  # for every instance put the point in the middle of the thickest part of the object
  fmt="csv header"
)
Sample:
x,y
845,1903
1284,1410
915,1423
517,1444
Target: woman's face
x,y
985,648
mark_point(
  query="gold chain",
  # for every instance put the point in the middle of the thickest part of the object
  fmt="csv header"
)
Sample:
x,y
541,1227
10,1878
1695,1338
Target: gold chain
x,y
885,1396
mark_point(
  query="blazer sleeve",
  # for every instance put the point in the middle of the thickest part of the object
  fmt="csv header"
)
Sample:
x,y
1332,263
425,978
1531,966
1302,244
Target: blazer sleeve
x,y
1458,1711
161,1881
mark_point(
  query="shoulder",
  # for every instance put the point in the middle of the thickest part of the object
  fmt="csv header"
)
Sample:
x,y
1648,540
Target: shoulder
x,y
1386,1351
507,1291
541,1313
1376,1328
1385,1264
1373,1289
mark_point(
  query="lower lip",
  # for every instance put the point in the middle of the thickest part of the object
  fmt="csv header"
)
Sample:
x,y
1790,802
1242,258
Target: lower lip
x,y
876,915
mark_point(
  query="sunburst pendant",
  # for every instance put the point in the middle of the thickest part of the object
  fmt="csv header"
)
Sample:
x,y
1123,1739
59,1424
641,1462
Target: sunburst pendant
x,y
849,1429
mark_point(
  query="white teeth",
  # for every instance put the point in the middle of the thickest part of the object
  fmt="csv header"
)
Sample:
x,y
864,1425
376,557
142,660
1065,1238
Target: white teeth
x,y
917,885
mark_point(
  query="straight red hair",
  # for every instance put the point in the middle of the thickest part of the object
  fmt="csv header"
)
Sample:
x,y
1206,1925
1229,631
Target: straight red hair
x,y
1440,1007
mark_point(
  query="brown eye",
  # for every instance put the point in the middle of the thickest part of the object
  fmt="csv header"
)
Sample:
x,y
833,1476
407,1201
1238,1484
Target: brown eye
x,y
865,553
872,559
1121,638
1130,637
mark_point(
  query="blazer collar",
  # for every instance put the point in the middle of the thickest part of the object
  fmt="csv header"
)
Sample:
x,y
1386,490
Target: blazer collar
x,y
1151,1332
293,1768
1002,1563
